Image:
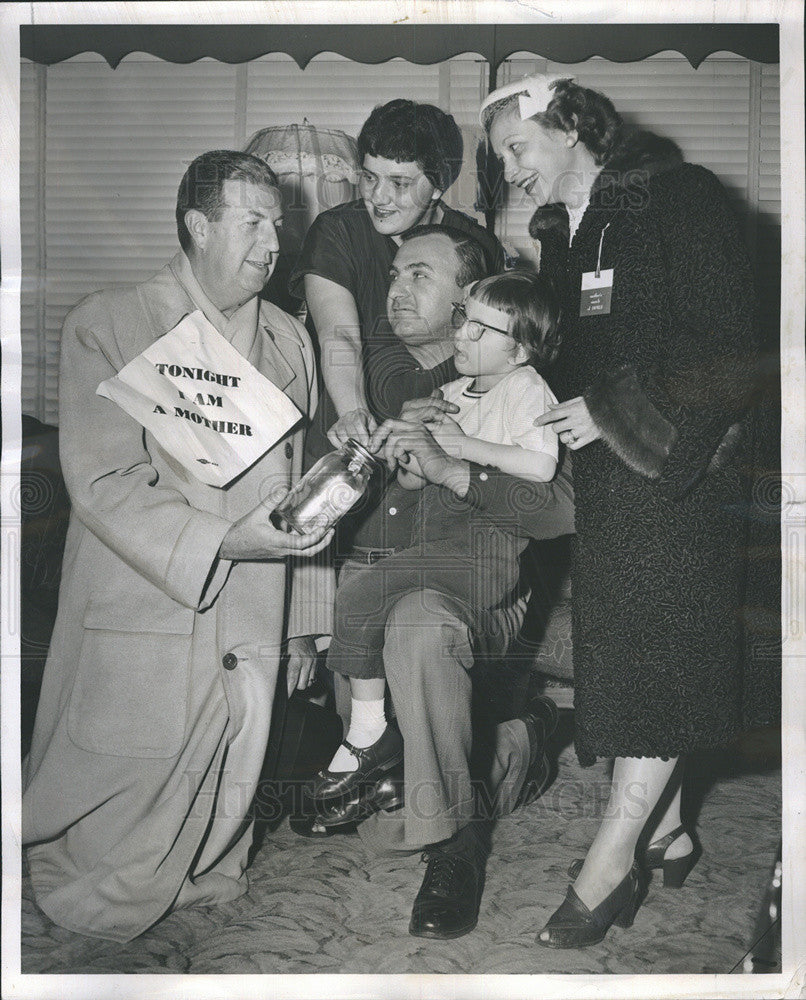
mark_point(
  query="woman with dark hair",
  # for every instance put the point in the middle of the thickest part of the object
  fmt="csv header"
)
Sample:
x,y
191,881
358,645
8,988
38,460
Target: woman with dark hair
x,y
655,369
410,155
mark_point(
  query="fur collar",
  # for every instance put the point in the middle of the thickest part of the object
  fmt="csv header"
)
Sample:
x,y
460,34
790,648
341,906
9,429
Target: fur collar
x,y
635,150
637,155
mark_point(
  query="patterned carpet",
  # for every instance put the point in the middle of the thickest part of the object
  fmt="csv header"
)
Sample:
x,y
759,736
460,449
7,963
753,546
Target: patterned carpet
x,y
324,906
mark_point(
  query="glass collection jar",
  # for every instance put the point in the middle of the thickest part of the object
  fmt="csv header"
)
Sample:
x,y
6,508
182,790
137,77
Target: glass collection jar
x,y
328,489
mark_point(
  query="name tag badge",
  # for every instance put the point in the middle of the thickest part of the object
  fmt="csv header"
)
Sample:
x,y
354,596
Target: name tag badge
x,y
596,293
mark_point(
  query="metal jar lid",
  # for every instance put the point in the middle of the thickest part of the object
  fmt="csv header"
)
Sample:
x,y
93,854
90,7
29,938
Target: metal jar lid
x,y
363,453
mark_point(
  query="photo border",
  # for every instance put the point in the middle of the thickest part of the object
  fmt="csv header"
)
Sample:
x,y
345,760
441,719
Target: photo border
x,y
790,982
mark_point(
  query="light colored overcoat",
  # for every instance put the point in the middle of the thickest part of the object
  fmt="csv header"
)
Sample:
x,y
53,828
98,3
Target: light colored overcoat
x,y
148,742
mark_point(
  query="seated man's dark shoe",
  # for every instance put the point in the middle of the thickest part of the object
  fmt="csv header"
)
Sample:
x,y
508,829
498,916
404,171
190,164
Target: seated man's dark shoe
x,y
447,905
386,793
540,719
573,925
542,714
373,762
536,781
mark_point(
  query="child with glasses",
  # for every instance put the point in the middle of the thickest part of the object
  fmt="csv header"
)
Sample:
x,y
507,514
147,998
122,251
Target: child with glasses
x,y
505,336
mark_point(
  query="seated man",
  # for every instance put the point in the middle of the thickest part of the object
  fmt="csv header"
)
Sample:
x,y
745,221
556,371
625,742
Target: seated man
x,y
153,718
429,650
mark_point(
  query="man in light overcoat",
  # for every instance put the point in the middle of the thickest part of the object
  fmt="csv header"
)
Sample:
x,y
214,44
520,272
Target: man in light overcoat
x,y
154,714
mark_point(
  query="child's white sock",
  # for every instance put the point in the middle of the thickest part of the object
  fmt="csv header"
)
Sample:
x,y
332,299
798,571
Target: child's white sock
x,y
367,723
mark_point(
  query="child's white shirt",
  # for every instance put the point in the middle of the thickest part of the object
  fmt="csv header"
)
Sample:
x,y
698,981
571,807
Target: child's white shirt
x,y
505,414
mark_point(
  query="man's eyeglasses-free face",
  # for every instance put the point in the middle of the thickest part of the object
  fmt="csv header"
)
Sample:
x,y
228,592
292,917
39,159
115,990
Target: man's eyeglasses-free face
x,y
474,328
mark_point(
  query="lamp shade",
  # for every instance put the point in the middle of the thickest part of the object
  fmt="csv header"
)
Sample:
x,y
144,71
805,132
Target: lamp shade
x,y
317,169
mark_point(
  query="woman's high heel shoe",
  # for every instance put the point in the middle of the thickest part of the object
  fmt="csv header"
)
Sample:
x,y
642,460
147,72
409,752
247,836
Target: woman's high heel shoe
x,y
675,870
573,925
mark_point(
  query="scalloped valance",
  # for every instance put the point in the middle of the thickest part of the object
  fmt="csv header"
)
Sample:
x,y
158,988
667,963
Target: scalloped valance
x,y
421,44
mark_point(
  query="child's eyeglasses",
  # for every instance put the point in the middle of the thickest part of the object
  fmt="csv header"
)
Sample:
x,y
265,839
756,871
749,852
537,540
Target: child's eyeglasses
x,y
475,328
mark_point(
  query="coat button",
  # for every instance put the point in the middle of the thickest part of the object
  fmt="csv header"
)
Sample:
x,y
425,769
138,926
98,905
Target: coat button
x,y
289,451
230,661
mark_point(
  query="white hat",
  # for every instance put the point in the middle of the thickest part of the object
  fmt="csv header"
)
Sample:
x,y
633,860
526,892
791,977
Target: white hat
x,y
535,91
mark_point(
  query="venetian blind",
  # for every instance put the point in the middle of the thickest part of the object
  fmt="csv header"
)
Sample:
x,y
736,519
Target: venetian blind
x,y
336,93
116,144
102,152
768,241
31,190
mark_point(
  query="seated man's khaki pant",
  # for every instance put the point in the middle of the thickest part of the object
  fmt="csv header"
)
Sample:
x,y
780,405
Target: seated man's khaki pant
x,y
428,657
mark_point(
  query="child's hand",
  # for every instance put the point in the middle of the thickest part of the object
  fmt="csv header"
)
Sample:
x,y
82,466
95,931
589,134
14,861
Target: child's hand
x,y
409,474
428,411
448,434
401,441
410,480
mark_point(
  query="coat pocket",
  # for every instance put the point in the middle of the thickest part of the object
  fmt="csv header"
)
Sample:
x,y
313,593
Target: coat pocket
x,y
130,694
129,603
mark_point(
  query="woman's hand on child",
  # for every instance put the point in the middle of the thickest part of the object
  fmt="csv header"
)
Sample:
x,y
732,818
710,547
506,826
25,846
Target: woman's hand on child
x,y
571,422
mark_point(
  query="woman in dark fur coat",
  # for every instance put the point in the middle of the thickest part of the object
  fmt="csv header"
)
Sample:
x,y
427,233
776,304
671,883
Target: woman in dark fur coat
x,y
656,366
